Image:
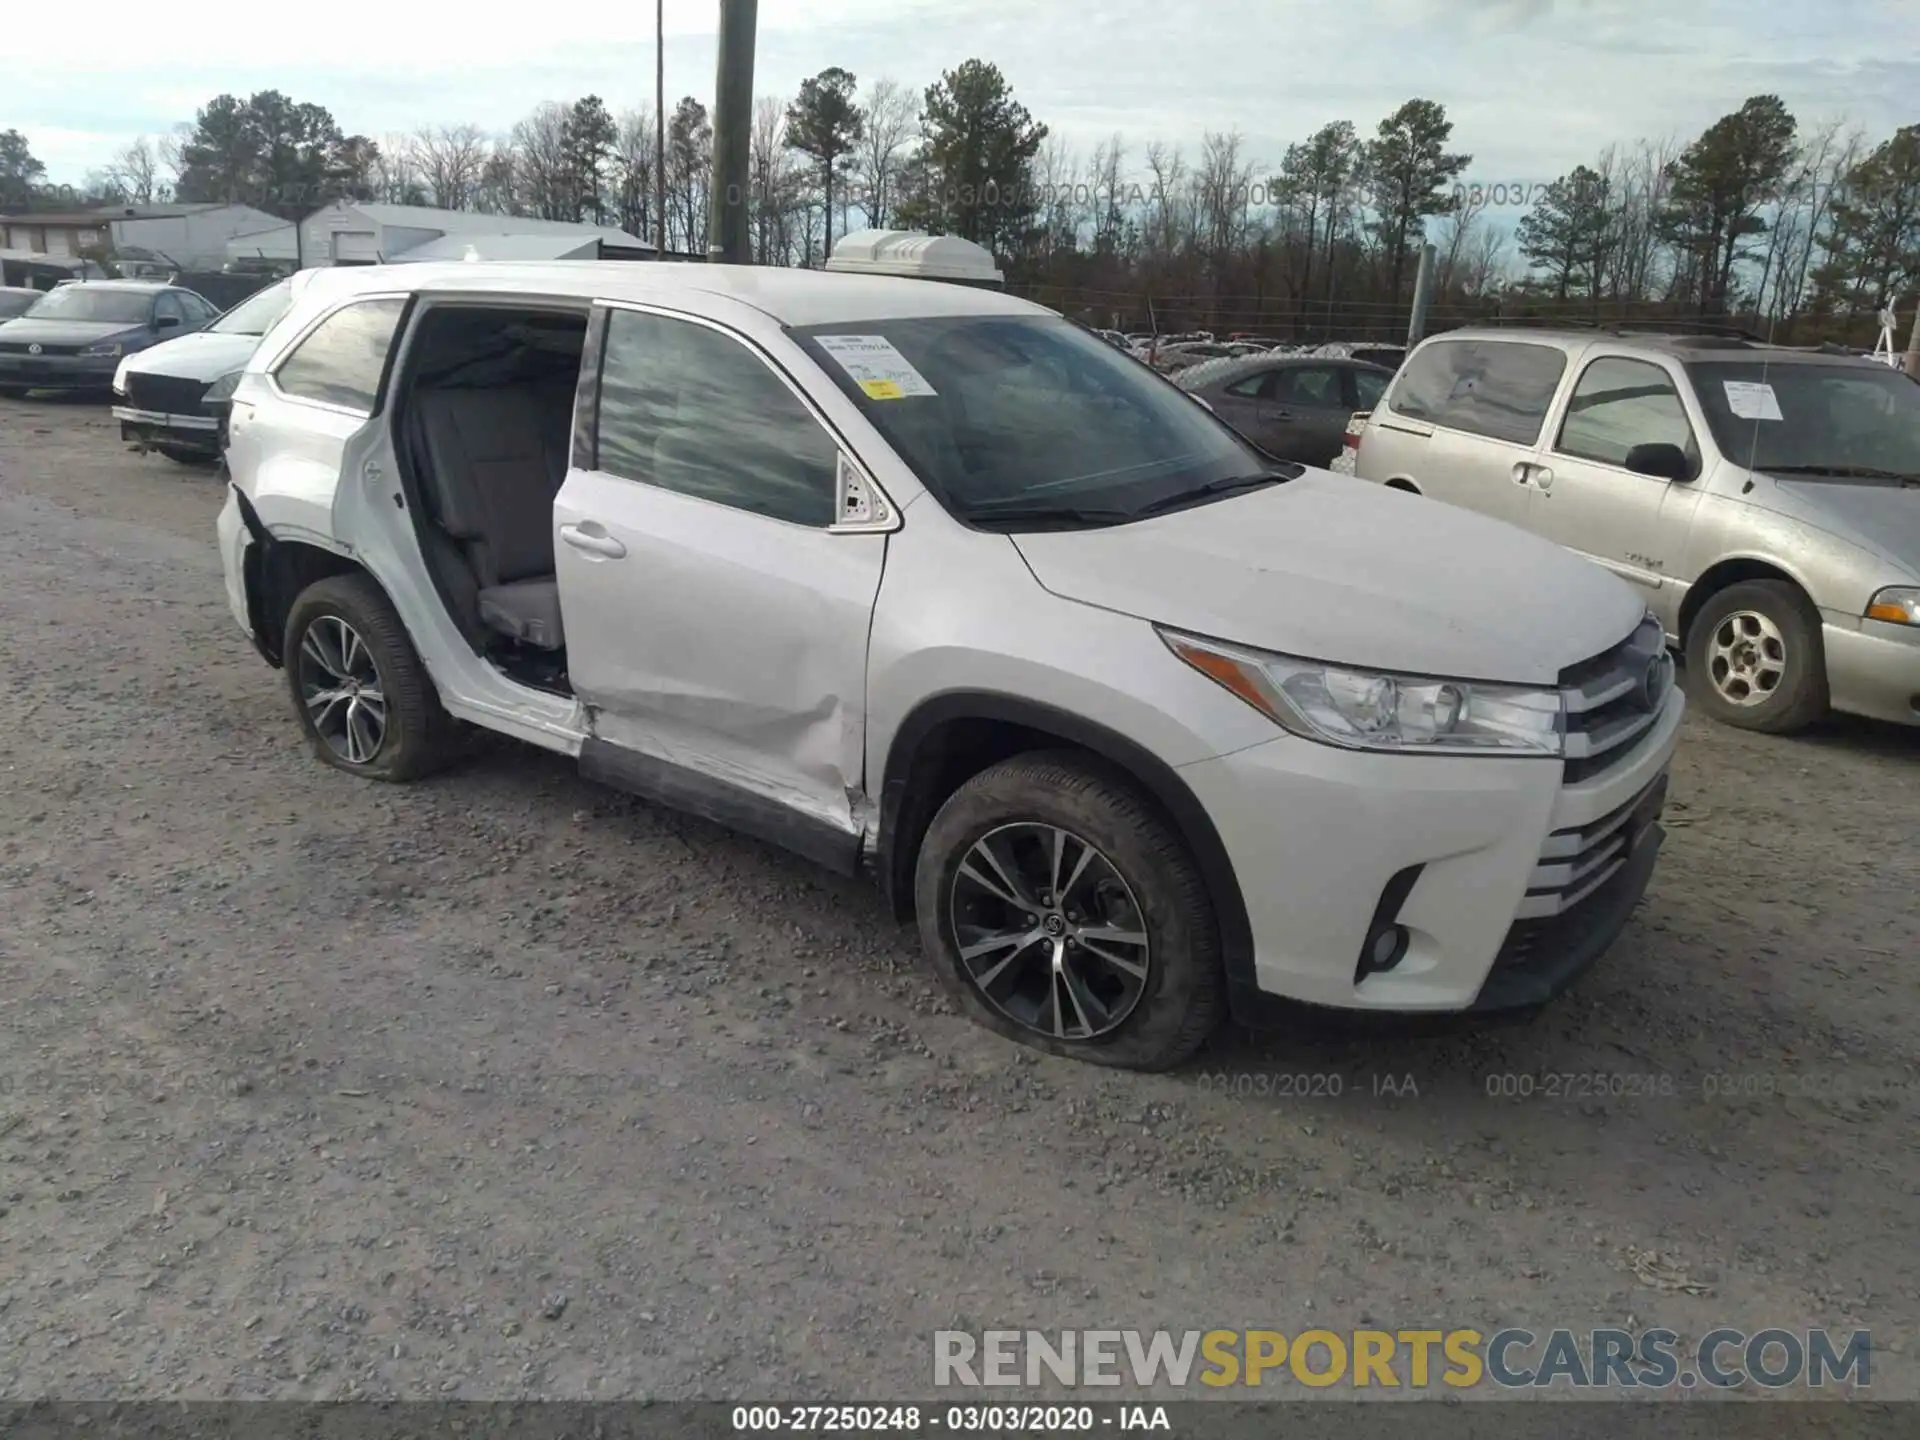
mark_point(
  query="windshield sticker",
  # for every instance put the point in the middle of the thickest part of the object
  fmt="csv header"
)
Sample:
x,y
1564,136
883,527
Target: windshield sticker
x,y
880,371
1752,400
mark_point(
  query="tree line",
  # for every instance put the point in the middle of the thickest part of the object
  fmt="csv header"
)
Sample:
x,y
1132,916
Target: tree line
x,y
1809,231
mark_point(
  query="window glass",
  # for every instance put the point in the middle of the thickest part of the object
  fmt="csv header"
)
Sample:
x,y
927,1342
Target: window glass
x,y
1008,415
258,313
1499,389
340,363
684,407
1250,388
1313,386
94,303
199,308
1369,388
1619,404
1810,416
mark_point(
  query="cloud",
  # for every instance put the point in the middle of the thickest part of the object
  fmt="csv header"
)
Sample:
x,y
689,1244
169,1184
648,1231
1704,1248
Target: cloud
x,y
1534,86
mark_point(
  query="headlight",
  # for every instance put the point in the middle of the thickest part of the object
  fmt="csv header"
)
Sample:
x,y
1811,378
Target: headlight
x,y
1897,604
120,378
104,349
223,388
1368,710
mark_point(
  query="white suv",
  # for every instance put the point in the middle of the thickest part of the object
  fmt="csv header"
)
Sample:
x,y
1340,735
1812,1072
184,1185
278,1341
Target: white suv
x,y
1143,728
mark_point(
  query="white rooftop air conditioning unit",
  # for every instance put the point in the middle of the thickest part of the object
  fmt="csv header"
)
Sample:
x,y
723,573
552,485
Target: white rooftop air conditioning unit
x,y
915,255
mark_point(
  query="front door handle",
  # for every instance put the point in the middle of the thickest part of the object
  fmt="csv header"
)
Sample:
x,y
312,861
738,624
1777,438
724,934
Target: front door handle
x,y
594,541
1528,473
1280,415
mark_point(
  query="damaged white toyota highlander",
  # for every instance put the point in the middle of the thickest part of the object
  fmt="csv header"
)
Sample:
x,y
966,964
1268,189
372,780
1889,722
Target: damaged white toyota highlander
x,y
1143,728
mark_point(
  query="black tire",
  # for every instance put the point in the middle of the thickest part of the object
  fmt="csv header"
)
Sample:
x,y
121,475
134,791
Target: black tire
x,y
418,736
1182,998
13,392
1798,697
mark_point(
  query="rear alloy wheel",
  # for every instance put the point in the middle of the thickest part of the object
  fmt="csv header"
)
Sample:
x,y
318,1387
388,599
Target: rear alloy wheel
x,y
1060,909
362,694
1754,658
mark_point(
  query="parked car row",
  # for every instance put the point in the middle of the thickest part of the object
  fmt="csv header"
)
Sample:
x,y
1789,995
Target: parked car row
x,y
74,336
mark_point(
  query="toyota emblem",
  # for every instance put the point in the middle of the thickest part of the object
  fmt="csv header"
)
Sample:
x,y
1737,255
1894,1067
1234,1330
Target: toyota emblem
x,y
33,349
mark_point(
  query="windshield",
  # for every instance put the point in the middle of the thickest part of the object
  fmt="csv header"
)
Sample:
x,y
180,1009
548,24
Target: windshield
x,y
94,306
256,314
1004,414
1809,417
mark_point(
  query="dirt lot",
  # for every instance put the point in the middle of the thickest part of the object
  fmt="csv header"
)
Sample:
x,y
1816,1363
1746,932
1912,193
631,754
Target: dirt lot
x,y
504,1086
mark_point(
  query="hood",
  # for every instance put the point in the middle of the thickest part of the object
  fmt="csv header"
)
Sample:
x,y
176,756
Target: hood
x,y
1326,568
202,355
27,331
1883,520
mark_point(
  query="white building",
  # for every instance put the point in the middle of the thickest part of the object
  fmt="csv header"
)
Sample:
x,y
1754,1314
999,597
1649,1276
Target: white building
x,y
188,237
370,233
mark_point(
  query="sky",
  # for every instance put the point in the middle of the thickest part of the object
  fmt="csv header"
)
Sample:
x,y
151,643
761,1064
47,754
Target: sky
x,y
1533,86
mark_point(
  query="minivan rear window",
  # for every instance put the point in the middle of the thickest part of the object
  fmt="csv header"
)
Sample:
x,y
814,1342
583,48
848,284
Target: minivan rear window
x,y
1498,388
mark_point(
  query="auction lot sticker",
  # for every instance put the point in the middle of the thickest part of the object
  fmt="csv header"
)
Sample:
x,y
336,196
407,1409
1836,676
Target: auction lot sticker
x,y
881,371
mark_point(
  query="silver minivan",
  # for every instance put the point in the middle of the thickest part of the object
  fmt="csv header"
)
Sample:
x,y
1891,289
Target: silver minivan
x,y
1765,500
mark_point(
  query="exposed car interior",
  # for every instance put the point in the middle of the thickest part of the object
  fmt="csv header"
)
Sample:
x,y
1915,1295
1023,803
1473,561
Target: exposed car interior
x,y
484,425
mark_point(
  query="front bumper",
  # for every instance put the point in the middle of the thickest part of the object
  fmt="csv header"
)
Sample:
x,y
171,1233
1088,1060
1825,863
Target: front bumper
x,y
1873,669
1520,880
147,429
231,531
58,372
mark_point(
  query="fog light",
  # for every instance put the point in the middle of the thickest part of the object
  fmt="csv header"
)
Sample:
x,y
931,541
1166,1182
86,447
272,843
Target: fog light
x,y
1389,945
1387,939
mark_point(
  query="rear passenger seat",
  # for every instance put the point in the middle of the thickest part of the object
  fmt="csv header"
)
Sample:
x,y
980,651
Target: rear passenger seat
x,y
494,460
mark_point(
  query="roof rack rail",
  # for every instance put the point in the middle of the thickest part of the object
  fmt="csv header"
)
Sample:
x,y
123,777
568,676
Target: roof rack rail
x,y
1626,327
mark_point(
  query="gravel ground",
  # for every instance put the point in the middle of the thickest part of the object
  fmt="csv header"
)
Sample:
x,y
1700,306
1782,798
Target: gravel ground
x,y
502,1086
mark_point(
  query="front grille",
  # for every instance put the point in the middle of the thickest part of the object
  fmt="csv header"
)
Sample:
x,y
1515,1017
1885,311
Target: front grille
x,y
1575,863
20,347
166,394
1613,699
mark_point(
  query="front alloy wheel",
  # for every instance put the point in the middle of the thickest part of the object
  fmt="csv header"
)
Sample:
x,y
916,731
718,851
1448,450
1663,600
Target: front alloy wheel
x,y
1049,931
340,686
1755,658
1059,907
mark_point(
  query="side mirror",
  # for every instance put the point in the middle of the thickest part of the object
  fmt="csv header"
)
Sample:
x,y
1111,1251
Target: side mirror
x,y
1662,461
166,322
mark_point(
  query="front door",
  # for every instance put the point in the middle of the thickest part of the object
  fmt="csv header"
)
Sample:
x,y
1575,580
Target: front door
x,y
716,615
1585,498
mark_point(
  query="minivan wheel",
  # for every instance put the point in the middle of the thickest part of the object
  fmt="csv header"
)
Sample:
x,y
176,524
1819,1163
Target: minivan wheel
x,y
362,694
1755,658
1060,909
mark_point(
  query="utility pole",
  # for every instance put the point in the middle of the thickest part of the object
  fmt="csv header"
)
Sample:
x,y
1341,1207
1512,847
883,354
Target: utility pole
x,y
1422,296
727,235
1912,363
660,129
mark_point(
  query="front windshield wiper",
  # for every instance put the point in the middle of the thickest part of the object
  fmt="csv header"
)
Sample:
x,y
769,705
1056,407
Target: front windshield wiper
x,y
1845,472
1014,514
1232,484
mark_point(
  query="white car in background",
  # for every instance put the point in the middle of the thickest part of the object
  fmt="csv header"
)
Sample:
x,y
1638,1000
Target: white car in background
x,y
172,397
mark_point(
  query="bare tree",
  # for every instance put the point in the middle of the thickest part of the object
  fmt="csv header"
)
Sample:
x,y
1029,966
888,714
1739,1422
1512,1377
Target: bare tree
x,y
633,166
542,163
450,161
1109,199
1456,234
1223,192
891,111
1167,169
135,173
779,186
1483,270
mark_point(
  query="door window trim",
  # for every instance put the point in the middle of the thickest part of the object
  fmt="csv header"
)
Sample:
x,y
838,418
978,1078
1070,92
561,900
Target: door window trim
x,y
1564,407
271,374
886,518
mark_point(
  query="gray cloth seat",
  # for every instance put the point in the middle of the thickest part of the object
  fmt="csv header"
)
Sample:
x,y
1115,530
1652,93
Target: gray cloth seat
x,y
495,459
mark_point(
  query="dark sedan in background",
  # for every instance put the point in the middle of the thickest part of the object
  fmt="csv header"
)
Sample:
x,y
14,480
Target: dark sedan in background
x,y
1293,407
74,336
